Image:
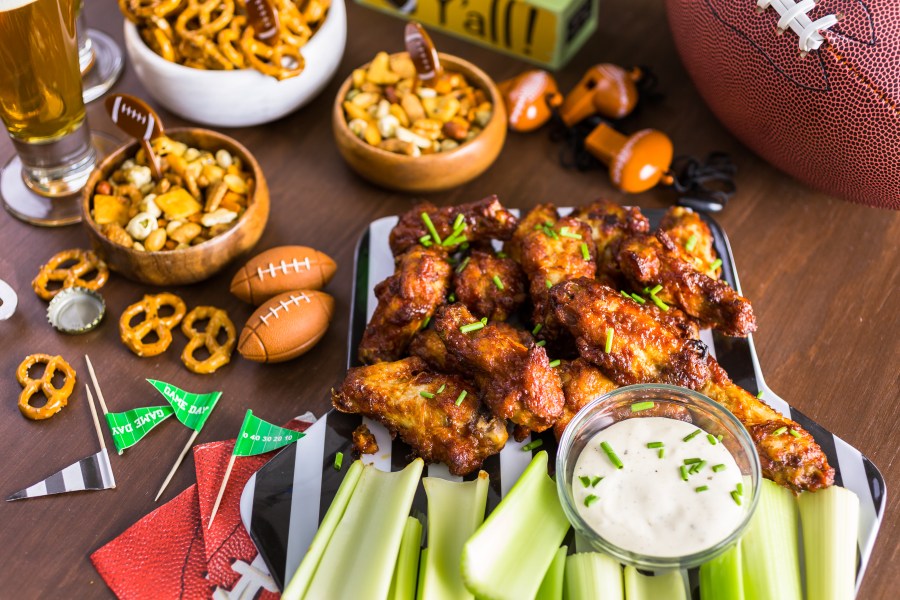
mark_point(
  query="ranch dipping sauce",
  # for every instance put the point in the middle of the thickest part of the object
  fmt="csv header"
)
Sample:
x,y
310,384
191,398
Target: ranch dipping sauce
x,y
677,492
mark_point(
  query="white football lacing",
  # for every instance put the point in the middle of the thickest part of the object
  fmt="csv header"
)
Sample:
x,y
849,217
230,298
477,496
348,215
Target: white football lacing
x,y
284,267
794,15
284,304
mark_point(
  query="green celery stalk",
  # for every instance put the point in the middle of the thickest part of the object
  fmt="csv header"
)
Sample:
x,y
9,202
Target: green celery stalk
x,y
299,583
359,560
552,586
722,577
422,561
830,520
455,510
669,585
769,548
509,554
593,575
403,584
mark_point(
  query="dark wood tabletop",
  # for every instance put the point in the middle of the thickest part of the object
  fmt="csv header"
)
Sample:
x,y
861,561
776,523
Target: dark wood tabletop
x,y
823,276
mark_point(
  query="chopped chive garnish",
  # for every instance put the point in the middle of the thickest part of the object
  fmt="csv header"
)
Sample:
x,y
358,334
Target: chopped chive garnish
x,y
793,433
472,327
612,455
736,497
684,473
484,320
451,298
585,253
702,488
426,395
712,439
456,238
548,283
609,340
716,264
696,468
425,239
639,406
427,243
501,254
497,282
651,444
596,480
719,437
692,241
692,461
459,222
548,223
779,431
717,468
540,343
661,453
464,245
463,265
537,329
638,299
585,480
550,233
626,294
442,388
426,322
570,234
338,461
590,500
659,303
690,436
759,394
428,224
646,290
740,488
554,363
655,290
461,397
532,445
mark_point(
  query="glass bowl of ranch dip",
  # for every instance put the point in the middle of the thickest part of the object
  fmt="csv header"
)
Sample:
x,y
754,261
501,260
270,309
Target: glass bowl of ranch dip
x,y
657,476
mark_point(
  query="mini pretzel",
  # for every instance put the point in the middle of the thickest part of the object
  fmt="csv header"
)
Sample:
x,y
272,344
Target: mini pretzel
x,y
159,37
85,262
137,10
229,42
57,398
280,61
149,306
204,18
219,354
294,30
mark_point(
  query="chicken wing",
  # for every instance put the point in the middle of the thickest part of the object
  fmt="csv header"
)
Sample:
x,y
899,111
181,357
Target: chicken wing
x,y
484,220
691,235
609,223
542,214
516,381
645,349
582,383
648,260
406,300
490,286
435,427
429,346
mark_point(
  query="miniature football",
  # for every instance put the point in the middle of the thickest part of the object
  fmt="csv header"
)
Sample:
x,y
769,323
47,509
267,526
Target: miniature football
x,y
134,116
813,88
282,269
286,326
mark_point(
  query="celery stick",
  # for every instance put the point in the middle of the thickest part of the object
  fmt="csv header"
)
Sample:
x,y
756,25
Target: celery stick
x,y
403,584
509,554
455,510
422,560
359,560
552,586
593,575
669,585
830,520
769,548
722,577
303,575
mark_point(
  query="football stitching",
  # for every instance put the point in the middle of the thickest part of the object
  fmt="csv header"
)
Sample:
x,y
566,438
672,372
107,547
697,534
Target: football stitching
x,y
890,103
283,304
283,267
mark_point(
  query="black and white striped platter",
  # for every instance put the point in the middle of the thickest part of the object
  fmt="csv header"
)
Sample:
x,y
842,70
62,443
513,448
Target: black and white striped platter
x,y
284,501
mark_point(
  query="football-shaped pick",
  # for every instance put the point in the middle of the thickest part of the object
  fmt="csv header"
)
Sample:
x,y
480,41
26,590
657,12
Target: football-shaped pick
x,y
282,269
286,326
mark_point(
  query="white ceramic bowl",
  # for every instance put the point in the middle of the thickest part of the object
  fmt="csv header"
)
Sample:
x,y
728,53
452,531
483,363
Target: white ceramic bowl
x,y
245,97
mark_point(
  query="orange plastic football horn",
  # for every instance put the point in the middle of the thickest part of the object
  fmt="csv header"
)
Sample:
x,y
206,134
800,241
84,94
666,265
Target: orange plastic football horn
x,y
606,90
637,162
530,98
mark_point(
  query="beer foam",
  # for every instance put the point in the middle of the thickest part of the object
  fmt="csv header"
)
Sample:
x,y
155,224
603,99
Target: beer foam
x,y
7,5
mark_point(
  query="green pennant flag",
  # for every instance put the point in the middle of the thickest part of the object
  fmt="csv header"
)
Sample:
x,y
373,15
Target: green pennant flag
x,y
258,436
130,426
191,409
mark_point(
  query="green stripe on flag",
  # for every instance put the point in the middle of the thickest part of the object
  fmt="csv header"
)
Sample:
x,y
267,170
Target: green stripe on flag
x,y
191,409
130,426
258,436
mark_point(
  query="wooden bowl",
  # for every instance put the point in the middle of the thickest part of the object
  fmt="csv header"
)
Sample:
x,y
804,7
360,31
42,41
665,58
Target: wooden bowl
x,y
196,263
430,172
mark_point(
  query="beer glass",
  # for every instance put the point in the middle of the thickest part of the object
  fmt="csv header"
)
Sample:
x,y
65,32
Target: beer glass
x,y
42,108
99,58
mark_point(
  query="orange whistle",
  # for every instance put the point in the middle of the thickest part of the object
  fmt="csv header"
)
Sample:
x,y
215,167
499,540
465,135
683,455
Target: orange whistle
x,y
530,98
606,89
636,163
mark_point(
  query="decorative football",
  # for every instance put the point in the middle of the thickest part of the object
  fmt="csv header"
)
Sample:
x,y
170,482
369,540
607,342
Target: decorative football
x,y
814,88
282,269
286,326
134,116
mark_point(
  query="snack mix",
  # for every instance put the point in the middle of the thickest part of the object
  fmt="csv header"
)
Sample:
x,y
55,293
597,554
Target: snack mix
x,y
389,108
200,196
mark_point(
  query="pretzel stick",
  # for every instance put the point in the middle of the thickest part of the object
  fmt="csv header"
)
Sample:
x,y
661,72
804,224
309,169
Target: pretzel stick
x,y
177,463
96,385
221,490
96,420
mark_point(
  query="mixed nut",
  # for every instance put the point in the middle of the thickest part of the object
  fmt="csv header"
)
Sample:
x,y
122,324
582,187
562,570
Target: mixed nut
x,y
388,107
201,195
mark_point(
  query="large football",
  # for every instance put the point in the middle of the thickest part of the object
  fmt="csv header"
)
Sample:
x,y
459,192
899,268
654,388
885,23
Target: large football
x,y
282,269
812,88
286,326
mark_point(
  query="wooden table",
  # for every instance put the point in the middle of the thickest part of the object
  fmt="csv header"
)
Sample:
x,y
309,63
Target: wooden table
x,y
822,275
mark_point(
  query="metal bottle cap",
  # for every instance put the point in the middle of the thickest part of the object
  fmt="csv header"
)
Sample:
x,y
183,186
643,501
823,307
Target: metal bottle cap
x,y
76,310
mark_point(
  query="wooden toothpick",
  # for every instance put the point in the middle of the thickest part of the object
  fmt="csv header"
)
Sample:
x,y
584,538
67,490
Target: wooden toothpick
x,y
96,385
96,420
177,463
221,491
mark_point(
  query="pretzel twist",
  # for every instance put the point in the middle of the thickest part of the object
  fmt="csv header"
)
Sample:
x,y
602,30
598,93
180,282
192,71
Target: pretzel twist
x,y
229,41
219,354
280,61
57,397
86,262
133,336
204,18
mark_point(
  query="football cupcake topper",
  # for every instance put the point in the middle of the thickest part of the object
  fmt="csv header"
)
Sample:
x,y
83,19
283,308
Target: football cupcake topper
x,y
422,52
137,119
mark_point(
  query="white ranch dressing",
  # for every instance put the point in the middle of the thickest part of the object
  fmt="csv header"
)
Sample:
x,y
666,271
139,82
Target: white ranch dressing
x,y
646,507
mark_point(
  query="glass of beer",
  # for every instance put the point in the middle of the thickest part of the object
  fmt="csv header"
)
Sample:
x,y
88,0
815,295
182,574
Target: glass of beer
x,y
42,108
99,58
